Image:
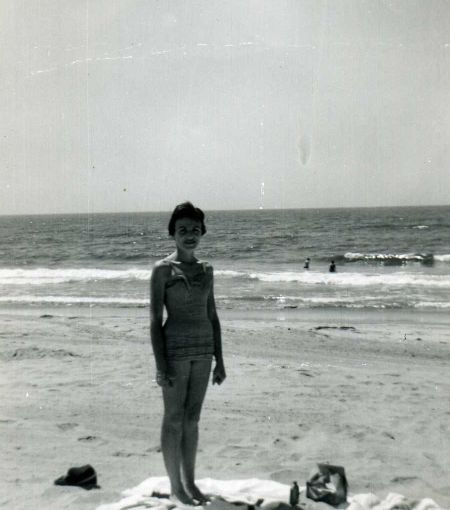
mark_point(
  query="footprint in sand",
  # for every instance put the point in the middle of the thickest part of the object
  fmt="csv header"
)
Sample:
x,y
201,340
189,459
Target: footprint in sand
x,y
400,479
39,353
231,450
304,372
153,449
66,426
128,454
88,438
334,328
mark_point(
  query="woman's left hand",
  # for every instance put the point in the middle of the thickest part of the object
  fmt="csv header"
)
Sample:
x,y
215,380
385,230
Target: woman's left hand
x,y
219,374
164,379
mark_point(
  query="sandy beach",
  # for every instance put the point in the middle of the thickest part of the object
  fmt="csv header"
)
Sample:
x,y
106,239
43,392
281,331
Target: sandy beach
x,y
366,391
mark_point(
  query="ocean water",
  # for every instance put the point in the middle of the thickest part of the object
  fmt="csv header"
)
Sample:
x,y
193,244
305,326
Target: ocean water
x,y
387,258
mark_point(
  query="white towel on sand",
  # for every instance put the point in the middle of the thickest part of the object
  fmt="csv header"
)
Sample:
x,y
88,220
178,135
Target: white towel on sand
x,y
249,491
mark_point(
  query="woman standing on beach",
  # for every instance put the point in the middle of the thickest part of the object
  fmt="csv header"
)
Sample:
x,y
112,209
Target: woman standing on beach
x,y
184,346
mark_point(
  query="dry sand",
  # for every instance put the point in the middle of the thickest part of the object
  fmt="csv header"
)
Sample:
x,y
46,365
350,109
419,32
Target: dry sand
x,y
77,387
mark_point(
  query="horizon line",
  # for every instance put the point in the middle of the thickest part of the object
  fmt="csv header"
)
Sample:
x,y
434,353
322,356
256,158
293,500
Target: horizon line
x,y
258,209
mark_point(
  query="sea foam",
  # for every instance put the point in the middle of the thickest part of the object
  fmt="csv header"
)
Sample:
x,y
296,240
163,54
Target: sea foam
x,y
68,300
389,257
346,278
43,275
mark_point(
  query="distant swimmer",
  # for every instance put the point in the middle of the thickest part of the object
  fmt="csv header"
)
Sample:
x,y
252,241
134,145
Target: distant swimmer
x,y
332,267
306,266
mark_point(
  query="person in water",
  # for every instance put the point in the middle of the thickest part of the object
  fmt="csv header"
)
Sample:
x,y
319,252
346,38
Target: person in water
x,y
307,261
184,347
332,267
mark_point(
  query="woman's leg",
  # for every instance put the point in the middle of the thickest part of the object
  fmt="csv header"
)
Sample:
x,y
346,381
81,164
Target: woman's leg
x,y
172,427
198,383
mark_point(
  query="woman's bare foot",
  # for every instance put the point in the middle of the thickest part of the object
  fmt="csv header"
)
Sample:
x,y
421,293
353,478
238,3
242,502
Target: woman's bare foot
x,y
181,496
197,494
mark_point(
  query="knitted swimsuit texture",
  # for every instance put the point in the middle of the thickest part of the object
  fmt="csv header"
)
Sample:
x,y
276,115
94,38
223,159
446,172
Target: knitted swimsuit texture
x,y
188,330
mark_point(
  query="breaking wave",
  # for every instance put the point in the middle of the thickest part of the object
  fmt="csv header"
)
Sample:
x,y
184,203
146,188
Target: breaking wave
x,y
343,279
45,276
390,258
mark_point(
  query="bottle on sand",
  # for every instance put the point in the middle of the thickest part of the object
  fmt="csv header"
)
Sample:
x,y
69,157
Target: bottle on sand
x,y
294,495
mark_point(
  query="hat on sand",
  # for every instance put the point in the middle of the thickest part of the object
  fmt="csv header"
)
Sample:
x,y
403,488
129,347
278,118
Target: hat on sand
x,y
83,476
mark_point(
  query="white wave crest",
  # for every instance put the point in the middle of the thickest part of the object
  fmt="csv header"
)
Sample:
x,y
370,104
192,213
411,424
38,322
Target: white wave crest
x,y
73,300
46,276
385,256
351,279
442,258
39,276
227,273
428,304
366,302
299,301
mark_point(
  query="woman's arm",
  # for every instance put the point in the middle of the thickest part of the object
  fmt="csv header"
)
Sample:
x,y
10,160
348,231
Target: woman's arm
x,y
219,374
157,289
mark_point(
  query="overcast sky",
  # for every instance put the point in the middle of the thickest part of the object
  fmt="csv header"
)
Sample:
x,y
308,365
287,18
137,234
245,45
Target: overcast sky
x,y
136,105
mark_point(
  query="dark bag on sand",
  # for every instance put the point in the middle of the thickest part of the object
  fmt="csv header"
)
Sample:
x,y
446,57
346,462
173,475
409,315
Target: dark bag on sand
x,y
329,485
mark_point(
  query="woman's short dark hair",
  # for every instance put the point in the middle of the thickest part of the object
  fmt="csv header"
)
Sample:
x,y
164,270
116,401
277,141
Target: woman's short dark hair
x,y
186,210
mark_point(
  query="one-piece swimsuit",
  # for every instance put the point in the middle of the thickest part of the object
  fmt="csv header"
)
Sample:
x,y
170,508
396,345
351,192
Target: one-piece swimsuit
x,y
188,330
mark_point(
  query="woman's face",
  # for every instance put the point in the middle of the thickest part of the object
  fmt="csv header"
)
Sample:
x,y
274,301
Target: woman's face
x,y
187,234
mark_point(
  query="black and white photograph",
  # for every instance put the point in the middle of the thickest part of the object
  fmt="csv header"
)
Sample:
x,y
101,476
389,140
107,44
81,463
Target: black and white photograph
x,y
225,254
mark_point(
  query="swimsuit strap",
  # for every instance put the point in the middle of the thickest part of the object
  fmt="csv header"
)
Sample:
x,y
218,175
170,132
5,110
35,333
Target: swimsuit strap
x,y
178,273
176,269
205,265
